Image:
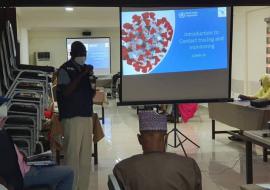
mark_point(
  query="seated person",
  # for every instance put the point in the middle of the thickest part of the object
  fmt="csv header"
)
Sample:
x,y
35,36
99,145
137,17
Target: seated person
x,y
59,177
15,173
263,93
156,169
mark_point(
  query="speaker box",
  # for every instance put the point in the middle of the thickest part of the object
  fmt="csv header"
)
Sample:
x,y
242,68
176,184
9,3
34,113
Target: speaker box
x,y
86,33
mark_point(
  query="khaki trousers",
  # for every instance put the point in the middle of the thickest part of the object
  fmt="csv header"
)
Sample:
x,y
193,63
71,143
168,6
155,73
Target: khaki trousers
x,y
78,149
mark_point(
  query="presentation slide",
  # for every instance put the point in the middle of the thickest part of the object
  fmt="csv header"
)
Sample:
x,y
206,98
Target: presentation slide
x,y
174,40
98,53
175,47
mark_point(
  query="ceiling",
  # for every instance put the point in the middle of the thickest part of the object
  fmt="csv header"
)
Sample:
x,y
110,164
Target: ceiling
x,y
130,3
57,17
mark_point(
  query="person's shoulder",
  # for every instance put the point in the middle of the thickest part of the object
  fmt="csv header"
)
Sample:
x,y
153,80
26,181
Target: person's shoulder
x,y
132,158
178,158
129,160
67,63
66,67
63,77
62,71
171,157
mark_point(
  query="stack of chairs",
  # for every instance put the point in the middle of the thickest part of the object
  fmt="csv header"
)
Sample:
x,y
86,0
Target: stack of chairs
x,y
28,90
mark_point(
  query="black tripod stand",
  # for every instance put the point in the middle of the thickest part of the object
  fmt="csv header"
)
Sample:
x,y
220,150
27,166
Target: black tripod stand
x,y
177,134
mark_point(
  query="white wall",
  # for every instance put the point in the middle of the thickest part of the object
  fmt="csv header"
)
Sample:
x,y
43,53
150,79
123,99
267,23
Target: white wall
x,y
22,34
249,45
238,53
57,17
54,41
249,48
256,51
48,27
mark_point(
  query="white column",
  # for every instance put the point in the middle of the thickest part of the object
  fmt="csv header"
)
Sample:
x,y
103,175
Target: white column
x,y
24,47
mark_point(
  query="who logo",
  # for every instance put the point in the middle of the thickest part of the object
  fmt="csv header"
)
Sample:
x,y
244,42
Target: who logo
x,y
222,12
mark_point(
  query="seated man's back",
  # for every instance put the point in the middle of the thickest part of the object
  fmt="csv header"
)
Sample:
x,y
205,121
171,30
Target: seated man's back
x,y
155,169
158,171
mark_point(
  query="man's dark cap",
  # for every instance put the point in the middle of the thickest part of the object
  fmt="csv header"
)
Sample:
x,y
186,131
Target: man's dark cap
x,y
78,49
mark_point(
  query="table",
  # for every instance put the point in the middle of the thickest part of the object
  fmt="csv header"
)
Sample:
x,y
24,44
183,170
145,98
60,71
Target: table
x,y
254,137
253,187
104,82
238,114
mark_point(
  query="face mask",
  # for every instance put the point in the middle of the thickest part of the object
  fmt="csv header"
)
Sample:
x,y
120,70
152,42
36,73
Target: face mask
x,y
80,60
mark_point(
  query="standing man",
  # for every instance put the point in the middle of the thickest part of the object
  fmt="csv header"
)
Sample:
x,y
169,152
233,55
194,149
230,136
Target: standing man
x,y
75,101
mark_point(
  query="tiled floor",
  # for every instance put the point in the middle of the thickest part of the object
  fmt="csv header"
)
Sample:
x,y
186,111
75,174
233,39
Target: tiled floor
x,y
222,162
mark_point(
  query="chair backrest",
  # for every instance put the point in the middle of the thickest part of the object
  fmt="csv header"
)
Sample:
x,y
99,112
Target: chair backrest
x,y
6,58
112,183
1,73
115,78
9,167
1,90
11,44
11,38
53,92
5,83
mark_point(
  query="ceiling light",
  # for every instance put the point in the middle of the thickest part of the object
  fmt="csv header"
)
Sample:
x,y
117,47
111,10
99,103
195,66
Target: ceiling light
x,y
69,9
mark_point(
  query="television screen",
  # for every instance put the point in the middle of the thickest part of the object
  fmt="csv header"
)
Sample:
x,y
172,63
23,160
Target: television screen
x,y
98,53
175,54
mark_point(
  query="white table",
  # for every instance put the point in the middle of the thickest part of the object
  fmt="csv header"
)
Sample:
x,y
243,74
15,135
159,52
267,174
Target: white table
x,y
238,114
254,137
255,187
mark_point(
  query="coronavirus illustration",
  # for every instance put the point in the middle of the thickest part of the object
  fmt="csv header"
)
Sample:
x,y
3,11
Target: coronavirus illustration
x,y
145,41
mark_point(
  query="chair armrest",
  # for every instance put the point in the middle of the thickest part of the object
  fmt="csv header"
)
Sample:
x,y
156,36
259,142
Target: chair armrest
x,y
112,183
46,69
